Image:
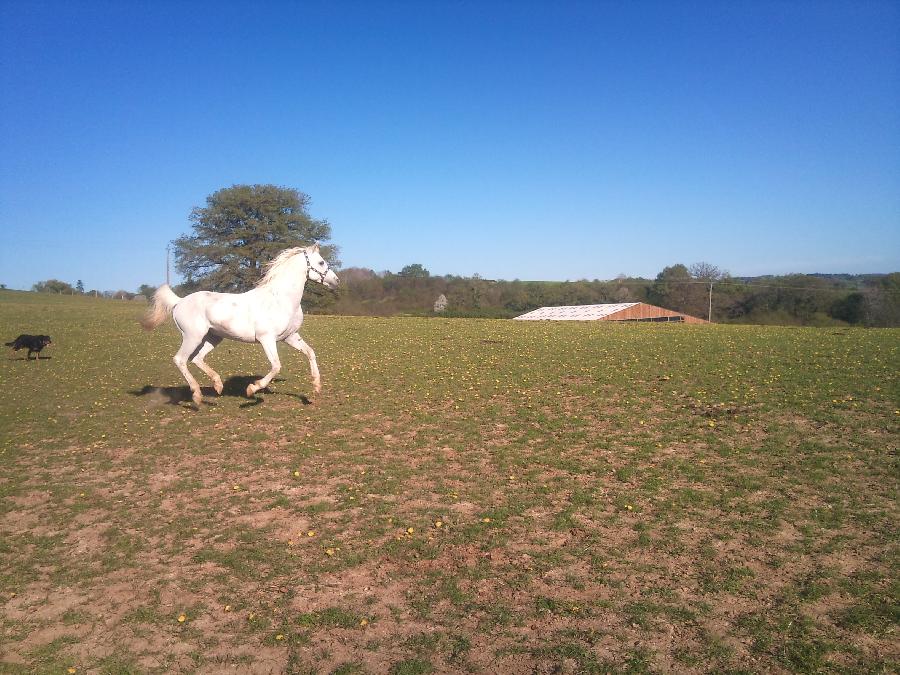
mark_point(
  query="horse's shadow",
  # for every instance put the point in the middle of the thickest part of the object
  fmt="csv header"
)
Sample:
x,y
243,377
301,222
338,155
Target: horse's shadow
x,y
235,386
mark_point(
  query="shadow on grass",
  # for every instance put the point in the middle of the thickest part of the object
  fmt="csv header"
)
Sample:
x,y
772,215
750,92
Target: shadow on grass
x,y
235,386
25,358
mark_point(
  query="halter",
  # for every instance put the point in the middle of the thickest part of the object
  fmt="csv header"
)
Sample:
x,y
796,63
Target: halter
x,y
309,267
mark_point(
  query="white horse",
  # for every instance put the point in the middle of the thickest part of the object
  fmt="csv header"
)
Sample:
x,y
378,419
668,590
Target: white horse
x,y
266,314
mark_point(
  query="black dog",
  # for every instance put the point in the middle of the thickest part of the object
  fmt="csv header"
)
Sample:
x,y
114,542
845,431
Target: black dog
x,y
33,343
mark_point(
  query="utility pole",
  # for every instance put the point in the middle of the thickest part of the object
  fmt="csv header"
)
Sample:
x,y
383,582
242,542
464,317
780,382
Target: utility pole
x,y
168,246
709,316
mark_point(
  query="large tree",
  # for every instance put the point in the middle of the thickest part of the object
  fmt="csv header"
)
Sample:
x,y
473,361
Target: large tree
x,y
240,229
416,271
53,286
672,289
147,291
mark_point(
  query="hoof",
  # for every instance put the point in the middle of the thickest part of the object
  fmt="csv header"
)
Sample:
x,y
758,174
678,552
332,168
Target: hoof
x,y
218,386
317,387
251,390
198,399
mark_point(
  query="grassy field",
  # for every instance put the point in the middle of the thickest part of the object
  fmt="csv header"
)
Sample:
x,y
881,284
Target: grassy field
x,y
463,496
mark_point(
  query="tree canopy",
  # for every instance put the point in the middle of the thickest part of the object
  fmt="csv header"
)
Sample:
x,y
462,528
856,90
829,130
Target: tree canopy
x,y
53,286
240,229
672,289
147,291
415,270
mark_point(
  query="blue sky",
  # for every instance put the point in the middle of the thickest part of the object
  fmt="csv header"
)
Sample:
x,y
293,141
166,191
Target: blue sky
x,y
554,140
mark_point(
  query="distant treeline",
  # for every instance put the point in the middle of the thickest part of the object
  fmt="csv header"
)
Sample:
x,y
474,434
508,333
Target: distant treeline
x,y
58,287
796,299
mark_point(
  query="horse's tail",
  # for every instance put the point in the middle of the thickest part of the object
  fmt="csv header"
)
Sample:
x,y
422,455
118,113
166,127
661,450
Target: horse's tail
x,y
163,301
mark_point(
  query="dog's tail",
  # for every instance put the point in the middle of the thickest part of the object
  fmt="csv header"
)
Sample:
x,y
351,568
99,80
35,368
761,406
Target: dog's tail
x,y
163,301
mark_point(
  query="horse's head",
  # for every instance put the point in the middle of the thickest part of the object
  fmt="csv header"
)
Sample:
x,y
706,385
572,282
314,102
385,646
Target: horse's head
x,y
318,269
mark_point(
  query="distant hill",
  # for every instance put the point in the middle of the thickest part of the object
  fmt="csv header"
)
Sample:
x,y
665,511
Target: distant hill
x,y
841,280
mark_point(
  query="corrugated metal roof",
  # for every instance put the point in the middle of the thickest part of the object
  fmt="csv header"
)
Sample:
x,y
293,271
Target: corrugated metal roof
x,y
575,312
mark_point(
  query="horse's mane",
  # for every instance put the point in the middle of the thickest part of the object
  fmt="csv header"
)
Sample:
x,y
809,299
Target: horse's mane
x,y
279,265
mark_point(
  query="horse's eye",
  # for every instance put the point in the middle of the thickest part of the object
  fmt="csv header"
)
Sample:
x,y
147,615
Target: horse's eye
x,y
321,263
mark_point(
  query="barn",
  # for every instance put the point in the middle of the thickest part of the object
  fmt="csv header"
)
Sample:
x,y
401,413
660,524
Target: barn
x,y
617,311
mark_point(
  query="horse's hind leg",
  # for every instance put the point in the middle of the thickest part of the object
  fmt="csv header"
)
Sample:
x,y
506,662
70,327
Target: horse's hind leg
x,y
189,345
210,343
299,344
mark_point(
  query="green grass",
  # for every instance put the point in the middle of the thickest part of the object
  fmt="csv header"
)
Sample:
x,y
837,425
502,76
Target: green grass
x,y
600,488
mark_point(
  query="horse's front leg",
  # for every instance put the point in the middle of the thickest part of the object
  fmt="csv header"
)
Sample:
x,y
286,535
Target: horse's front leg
x,y
268,344
298,343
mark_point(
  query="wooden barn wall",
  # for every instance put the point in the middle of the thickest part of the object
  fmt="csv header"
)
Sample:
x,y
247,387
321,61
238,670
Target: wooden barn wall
x,y
645,311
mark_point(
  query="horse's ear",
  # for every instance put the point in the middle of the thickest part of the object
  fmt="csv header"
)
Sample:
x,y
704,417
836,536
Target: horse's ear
x,y
316,247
